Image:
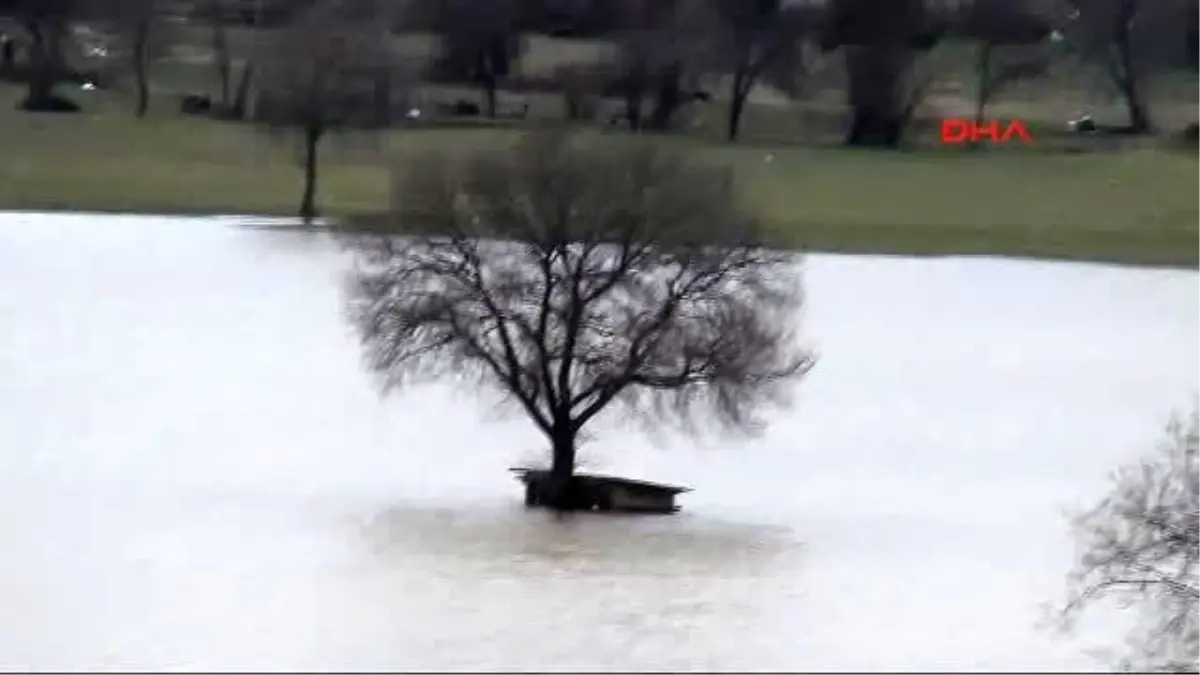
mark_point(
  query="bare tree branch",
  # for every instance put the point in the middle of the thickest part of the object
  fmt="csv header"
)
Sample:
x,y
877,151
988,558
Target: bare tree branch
x,y
1139,547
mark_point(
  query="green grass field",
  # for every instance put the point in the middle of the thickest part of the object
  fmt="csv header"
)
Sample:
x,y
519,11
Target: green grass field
x,y
1130,206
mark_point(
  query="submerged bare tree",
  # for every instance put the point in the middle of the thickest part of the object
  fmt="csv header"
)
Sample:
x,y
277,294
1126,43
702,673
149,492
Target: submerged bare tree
x,y
573,279
1140,547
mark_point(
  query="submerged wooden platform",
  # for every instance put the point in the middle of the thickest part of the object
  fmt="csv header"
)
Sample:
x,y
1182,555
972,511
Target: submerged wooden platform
x,y
605,493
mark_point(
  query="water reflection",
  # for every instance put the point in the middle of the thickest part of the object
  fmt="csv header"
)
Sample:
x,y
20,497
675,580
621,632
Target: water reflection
x,y
588,543
589,591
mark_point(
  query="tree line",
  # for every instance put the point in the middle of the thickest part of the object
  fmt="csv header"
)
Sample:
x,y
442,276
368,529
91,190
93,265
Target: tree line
x,y
665,49
320,65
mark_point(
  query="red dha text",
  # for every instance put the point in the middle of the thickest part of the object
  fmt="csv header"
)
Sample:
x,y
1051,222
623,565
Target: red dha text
x,y
958,131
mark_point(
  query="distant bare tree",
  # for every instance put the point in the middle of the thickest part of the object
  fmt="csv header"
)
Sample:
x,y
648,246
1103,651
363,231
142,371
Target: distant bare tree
x,y
638,55
758,36
1132,39
663,48
1140,546
144,36
48,24
136,19
326,70
1011,38
581,86
881,42
572,279
480,41
1191,49
217,14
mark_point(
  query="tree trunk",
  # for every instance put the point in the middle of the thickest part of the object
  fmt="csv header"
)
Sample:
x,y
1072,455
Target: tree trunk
x,y
1123,69
308,203
485,74
1130,86
240,105
633,110
220,46
635,91
872,128
737,104
1139,113
489,94
983,80
44,65
383,100
668,99
559,492
1193,40
141,42
252,94
878,74
983,86
8,54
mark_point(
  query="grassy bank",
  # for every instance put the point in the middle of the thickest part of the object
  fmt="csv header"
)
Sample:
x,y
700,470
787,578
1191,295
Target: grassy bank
x,y
1135,207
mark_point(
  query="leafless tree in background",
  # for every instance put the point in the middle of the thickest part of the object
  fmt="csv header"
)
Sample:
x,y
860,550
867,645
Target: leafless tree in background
x,y
138,17
480,41
758,36
1011,38
1133,39
48,25
1139,547
216,13
328,69
572,279
881,42
663,47
143,35
1191,41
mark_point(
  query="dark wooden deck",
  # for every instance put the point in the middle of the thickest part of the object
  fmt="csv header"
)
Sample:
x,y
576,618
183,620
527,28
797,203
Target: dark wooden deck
x,y
606,493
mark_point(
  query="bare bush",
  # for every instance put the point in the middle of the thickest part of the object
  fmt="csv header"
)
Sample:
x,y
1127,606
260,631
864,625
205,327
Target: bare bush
x,y
570,280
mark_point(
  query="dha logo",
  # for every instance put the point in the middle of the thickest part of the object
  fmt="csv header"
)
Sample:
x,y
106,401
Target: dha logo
x,y
959,131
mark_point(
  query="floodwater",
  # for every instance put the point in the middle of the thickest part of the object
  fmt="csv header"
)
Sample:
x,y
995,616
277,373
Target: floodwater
x,y
195,473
